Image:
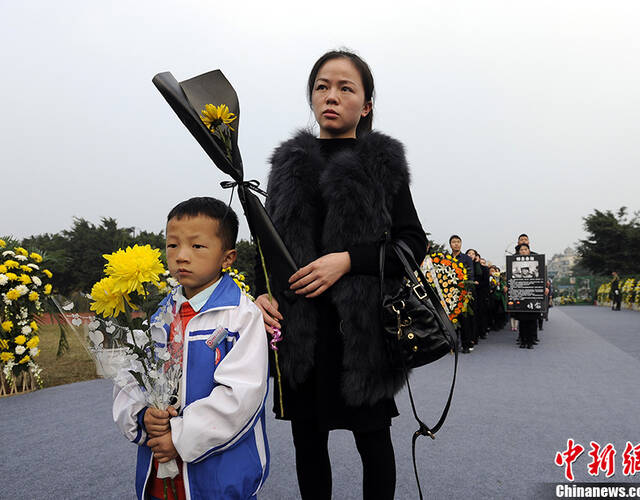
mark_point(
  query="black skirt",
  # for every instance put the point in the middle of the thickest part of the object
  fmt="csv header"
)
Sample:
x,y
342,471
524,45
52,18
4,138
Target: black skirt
x,y
318,400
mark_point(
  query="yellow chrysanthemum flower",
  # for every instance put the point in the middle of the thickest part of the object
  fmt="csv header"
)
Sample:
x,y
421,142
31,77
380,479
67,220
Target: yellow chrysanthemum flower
x,y
21,251
26,359
7,325
34,326
25,279
161,285
13,294
33,296
36,257
107,301
212,116
132,267
3,269
20,339
33,342
11,264
6,356
12,276
3,243
47,289
47,273
4,344
26,269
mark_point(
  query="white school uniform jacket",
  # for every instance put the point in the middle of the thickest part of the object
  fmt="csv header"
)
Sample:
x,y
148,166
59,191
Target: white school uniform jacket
x,y
220,432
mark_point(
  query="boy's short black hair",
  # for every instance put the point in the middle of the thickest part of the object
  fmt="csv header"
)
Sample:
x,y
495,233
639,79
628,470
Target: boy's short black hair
x,y
523,234
214,209
522,245
454,236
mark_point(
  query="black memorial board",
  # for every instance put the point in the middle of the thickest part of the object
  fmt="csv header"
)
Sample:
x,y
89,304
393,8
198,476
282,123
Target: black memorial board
x,y
526,280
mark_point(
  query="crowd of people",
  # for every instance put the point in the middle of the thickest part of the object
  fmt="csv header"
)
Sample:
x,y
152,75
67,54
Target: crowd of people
x,y
487,310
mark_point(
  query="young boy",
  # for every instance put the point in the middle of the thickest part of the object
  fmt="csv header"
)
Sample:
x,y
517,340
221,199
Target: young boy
x,y
218,436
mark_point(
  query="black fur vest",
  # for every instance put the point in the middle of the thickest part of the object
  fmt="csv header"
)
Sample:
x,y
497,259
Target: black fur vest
x,y
356,188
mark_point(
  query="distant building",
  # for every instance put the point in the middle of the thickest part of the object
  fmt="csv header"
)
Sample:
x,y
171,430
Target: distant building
x,y
561,263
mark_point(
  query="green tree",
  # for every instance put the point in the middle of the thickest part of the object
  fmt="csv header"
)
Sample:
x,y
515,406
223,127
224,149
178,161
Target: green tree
x,y
75,255
612,243
245,262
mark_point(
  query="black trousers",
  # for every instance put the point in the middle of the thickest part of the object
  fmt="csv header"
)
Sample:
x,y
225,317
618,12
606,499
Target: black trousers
x,y
313,466
528,328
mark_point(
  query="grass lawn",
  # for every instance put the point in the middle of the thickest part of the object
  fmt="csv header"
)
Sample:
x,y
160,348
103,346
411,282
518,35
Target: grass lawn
x,y
74,365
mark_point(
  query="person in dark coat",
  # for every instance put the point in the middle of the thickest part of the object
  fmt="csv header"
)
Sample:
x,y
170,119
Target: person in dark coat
x,y
333,199
614,293
527,321
466,328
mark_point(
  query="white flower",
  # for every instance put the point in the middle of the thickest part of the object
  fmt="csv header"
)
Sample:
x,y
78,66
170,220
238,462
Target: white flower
x,y
26,330
173,282
164,355
6,300
8,252
3,280
24,312
36,281
20,257
33,266
33,352
154,374
20,349
22,289
140,337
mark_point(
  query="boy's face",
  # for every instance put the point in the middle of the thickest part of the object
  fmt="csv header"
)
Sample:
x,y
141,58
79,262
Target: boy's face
x,y
195,253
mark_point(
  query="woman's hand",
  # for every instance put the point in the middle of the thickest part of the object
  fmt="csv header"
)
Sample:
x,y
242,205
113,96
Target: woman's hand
x,y
315,278
270,313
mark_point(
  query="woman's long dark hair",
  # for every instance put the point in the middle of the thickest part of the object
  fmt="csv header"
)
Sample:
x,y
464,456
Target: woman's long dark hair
x,y
365,123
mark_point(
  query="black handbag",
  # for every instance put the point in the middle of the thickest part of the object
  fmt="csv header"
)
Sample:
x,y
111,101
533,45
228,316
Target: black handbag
x,y
417,328
412,312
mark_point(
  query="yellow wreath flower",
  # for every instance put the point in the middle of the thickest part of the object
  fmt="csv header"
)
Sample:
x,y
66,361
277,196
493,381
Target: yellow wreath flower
x,y
36,257
6,356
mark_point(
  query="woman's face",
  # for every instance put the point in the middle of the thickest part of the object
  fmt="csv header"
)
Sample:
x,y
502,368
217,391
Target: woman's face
x,y
338,99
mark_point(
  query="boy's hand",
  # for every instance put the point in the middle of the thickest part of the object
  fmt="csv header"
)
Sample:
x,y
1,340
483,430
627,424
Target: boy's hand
x,y
157,421
162,448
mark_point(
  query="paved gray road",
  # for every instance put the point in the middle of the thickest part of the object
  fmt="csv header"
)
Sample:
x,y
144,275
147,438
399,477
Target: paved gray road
x,y
513,410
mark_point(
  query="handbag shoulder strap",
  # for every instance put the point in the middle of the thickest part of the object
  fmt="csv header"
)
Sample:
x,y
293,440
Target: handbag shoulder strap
x,y
405,256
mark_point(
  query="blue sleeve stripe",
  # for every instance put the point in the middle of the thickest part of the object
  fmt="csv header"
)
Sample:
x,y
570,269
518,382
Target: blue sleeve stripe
x,y
236,437
140,419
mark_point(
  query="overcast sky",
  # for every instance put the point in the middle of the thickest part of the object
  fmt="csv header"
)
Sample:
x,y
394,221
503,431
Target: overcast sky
x,y
516,116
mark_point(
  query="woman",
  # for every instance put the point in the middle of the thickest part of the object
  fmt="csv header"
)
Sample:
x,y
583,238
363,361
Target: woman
x,y
333,200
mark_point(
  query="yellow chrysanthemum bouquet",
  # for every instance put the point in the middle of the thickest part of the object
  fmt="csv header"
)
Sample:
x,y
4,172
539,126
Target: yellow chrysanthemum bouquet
x,y
135,337
24,286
